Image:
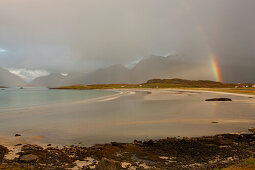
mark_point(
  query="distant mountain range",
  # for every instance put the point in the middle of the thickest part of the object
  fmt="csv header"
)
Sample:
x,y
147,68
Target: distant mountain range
x,y
8,79
149,68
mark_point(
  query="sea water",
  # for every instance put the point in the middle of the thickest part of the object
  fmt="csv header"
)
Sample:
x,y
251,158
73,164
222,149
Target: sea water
x,y
120,118
35,96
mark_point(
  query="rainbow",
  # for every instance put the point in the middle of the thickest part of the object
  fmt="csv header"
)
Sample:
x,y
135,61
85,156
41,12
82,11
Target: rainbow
x,y
214,63
215,68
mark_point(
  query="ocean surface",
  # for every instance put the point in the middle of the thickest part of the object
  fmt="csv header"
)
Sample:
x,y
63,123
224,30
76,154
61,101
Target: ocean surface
x,y
36,96
66,117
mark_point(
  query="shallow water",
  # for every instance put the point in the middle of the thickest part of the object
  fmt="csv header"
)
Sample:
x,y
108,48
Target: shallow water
x,y
34,96
131,116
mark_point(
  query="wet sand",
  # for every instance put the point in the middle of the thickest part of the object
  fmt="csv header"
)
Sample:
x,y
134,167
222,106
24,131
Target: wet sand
x,y
141,114
132,114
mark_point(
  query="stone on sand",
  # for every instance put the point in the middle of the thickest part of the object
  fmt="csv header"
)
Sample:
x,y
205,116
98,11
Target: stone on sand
x,y
28,158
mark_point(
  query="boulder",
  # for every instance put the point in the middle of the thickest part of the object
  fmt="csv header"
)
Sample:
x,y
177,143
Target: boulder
x,y
3,151
219,99
28,158
106,164
19,144
29,147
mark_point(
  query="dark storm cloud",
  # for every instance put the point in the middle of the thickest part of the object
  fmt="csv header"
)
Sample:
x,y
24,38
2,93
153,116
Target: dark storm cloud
x,y
82,35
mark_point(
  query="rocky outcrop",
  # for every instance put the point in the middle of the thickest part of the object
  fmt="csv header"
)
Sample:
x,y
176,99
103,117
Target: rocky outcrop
x,y
28,158
206,152
219,99
3,151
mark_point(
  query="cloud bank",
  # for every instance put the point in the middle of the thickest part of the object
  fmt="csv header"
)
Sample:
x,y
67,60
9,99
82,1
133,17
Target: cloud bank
x,y
28,75
84,35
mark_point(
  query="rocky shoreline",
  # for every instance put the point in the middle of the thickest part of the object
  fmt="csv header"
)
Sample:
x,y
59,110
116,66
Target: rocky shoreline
x,y
206,152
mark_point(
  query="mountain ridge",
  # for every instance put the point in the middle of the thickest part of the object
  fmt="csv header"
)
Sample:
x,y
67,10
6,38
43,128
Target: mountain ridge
x,y
8,79
147,68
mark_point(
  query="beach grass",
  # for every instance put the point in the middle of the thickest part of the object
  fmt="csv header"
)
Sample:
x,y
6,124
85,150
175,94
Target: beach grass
x,y
245,164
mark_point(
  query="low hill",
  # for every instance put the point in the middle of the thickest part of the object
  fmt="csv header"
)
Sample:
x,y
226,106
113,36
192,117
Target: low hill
x,y
156,83
186,83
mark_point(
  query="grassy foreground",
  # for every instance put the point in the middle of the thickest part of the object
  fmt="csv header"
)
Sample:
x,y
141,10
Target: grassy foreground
x,y
245,164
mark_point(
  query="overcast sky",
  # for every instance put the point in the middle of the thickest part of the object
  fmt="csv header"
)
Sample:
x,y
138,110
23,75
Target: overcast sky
x,y
83,35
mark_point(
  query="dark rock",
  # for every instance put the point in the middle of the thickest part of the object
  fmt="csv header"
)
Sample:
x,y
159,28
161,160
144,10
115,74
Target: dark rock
x,y
219,99
18,144
116,144
136,142
28,158
31,148
16,135
51,148
49,145
3,151
149,142
172,140
105,164
169,153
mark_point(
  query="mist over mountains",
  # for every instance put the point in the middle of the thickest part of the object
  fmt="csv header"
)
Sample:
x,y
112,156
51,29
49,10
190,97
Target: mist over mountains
x,y
152,67
8,79
148,68
88,39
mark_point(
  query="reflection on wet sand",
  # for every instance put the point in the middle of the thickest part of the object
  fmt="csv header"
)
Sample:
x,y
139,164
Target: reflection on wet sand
x,y
132,114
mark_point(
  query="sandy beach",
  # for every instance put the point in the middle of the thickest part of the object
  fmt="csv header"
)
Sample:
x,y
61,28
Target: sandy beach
x,y
131,96
187,107
128,115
